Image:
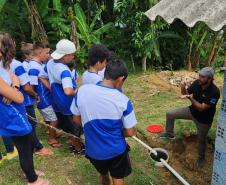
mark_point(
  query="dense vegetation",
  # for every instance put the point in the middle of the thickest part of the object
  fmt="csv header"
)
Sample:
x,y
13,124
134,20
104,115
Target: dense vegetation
x,y
121,25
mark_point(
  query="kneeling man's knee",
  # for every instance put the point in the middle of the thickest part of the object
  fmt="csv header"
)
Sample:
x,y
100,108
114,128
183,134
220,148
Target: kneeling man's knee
x,y
170,115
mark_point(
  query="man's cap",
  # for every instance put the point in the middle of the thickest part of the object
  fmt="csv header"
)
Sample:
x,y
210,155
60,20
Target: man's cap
x,y
207,71
63,47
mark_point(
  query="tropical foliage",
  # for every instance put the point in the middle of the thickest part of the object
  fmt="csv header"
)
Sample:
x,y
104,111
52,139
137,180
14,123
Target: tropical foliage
x,y
121,25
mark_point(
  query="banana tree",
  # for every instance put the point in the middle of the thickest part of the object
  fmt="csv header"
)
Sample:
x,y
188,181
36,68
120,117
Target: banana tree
x,y
73,32
52,13
197,36
218,40
147,42
88,33
38,31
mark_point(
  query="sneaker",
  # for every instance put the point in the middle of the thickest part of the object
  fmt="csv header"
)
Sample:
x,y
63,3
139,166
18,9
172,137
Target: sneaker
x,y
71,148
12,155
200,162
167,136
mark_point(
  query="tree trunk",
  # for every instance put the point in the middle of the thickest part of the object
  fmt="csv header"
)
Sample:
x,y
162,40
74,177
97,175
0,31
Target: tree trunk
x,y
144,64
133,64
224,65
74,35
216,46
73,32
38,31
210,58
189,66
195,59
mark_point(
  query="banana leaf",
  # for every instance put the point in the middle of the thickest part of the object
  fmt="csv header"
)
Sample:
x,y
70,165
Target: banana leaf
x,y
42,6
2,3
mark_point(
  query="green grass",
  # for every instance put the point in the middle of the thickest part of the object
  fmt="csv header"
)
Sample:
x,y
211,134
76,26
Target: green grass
x,y
64,167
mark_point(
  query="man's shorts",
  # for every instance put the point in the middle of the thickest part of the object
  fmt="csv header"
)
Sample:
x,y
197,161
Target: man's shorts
x,y
119,166
48,114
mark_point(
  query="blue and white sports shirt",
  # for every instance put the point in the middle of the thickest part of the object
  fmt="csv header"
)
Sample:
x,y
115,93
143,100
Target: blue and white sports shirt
x,y
104,112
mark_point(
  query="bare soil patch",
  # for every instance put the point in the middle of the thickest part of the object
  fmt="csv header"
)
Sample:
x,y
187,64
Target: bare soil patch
x,y
183,155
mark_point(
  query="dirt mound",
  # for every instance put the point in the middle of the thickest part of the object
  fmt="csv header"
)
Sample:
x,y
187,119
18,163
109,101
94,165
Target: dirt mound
x,y
170,81
167,80
175,78
157,83
183,155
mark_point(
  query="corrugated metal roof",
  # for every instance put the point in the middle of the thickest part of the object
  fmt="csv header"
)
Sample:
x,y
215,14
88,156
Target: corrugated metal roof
x,y
212,12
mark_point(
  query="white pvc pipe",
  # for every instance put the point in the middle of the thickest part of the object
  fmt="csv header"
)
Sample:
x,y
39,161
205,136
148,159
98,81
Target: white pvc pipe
x,y
174,172
145,145
163,161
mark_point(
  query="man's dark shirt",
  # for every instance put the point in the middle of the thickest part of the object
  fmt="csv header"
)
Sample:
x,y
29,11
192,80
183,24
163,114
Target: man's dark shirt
x,y
209,96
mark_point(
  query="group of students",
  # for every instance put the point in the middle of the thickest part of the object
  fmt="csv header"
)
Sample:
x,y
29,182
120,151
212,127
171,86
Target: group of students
x,y
98,108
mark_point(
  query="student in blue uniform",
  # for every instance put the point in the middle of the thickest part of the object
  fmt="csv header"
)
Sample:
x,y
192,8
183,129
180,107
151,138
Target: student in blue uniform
x,y
27,50
11,152
63,88
75,76
97,58
30,96
15,123
107,117
40,55
74,72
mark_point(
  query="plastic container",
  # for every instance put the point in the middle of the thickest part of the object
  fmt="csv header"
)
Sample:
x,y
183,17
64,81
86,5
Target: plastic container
x,y
162,153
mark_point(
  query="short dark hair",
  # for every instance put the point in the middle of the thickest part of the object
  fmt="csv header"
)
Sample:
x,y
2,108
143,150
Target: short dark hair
x,y
115,68
39,45
26,48
97,52
112,56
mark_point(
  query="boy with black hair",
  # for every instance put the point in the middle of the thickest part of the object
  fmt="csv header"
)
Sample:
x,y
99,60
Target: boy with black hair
x,y
107,117
112,55
97,60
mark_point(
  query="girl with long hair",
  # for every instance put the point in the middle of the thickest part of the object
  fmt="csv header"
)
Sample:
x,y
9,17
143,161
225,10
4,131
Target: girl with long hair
x,y
13,120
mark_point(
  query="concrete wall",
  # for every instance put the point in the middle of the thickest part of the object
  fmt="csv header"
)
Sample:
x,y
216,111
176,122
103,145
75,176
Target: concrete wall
x,y
219,166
